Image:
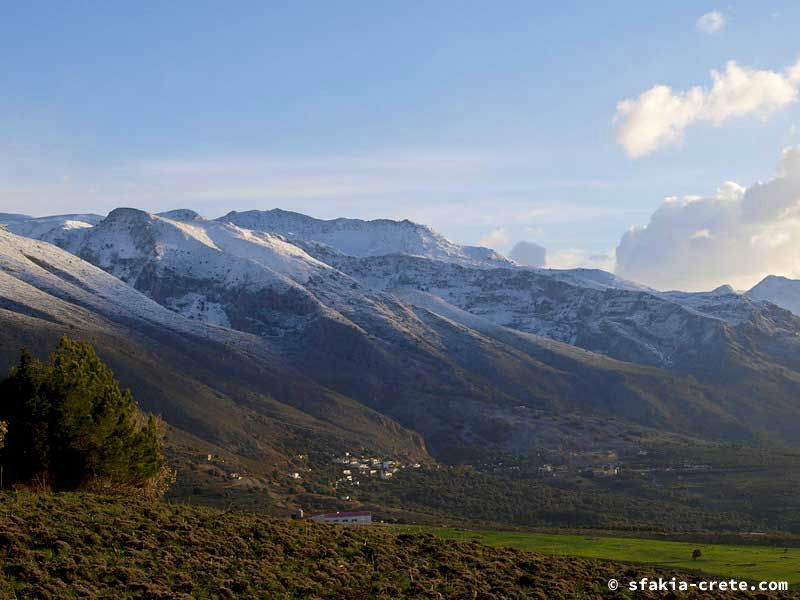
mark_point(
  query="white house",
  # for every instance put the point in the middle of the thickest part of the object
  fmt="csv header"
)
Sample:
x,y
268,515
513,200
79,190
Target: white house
x,y
345,518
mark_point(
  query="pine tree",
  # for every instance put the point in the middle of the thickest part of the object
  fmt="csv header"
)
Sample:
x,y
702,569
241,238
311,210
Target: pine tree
x,y
70,421
23,404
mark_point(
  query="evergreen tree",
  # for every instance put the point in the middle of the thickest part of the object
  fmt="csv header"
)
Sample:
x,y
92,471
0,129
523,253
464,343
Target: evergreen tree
x,y
22,403
70,422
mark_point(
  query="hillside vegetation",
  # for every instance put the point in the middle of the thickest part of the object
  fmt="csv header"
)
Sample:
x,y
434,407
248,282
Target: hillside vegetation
x,y
78,545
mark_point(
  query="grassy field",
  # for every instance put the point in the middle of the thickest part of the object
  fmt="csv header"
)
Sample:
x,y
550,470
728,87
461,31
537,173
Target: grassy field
x,y
754,563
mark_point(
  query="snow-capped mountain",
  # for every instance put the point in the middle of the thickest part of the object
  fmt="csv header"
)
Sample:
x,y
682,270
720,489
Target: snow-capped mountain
x,y
626,322
208,270
272,272
223,386
448,373
252,279
374,315
355,237
779,290
30,269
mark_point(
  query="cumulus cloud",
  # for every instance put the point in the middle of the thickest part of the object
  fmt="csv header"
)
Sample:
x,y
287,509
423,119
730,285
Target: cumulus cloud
x,y
576,258
738,236
495,239
659,116
711,22
529,254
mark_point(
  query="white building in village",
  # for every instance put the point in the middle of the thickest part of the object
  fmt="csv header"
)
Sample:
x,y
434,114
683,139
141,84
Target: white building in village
x,y
345,518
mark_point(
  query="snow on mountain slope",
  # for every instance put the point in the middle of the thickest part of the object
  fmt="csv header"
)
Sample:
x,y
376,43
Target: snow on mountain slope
x,y
593,278
274,272
200,248
666,330
367,238
208,270
62,230
781,291
726,304
628,325
30,269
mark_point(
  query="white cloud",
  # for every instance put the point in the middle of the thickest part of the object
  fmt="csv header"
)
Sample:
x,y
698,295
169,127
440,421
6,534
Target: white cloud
x,y
656,118
737,236
659,116
497,238
794,72
575,257
711,22
742,91
529,254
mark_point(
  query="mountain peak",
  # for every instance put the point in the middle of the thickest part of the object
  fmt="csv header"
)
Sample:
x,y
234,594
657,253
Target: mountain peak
x,y
722,290
774,278
181,214
774,281
128,214
779,290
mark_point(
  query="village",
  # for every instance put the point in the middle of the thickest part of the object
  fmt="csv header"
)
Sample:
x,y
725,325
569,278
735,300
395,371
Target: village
x,y
354,469
347,471
350,472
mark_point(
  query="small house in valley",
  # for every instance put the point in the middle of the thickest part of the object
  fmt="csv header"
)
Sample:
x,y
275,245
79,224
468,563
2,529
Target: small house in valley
x,y
346,518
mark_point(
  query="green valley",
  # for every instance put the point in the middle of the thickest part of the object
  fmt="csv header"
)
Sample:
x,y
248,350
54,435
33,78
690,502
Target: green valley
x,y
750,562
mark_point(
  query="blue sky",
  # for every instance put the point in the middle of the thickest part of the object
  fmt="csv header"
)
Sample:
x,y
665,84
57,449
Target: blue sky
x,y
487,121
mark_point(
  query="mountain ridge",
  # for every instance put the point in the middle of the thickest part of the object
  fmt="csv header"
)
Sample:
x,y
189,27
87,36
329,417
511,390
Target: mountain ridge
x,y
366,238
384,351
